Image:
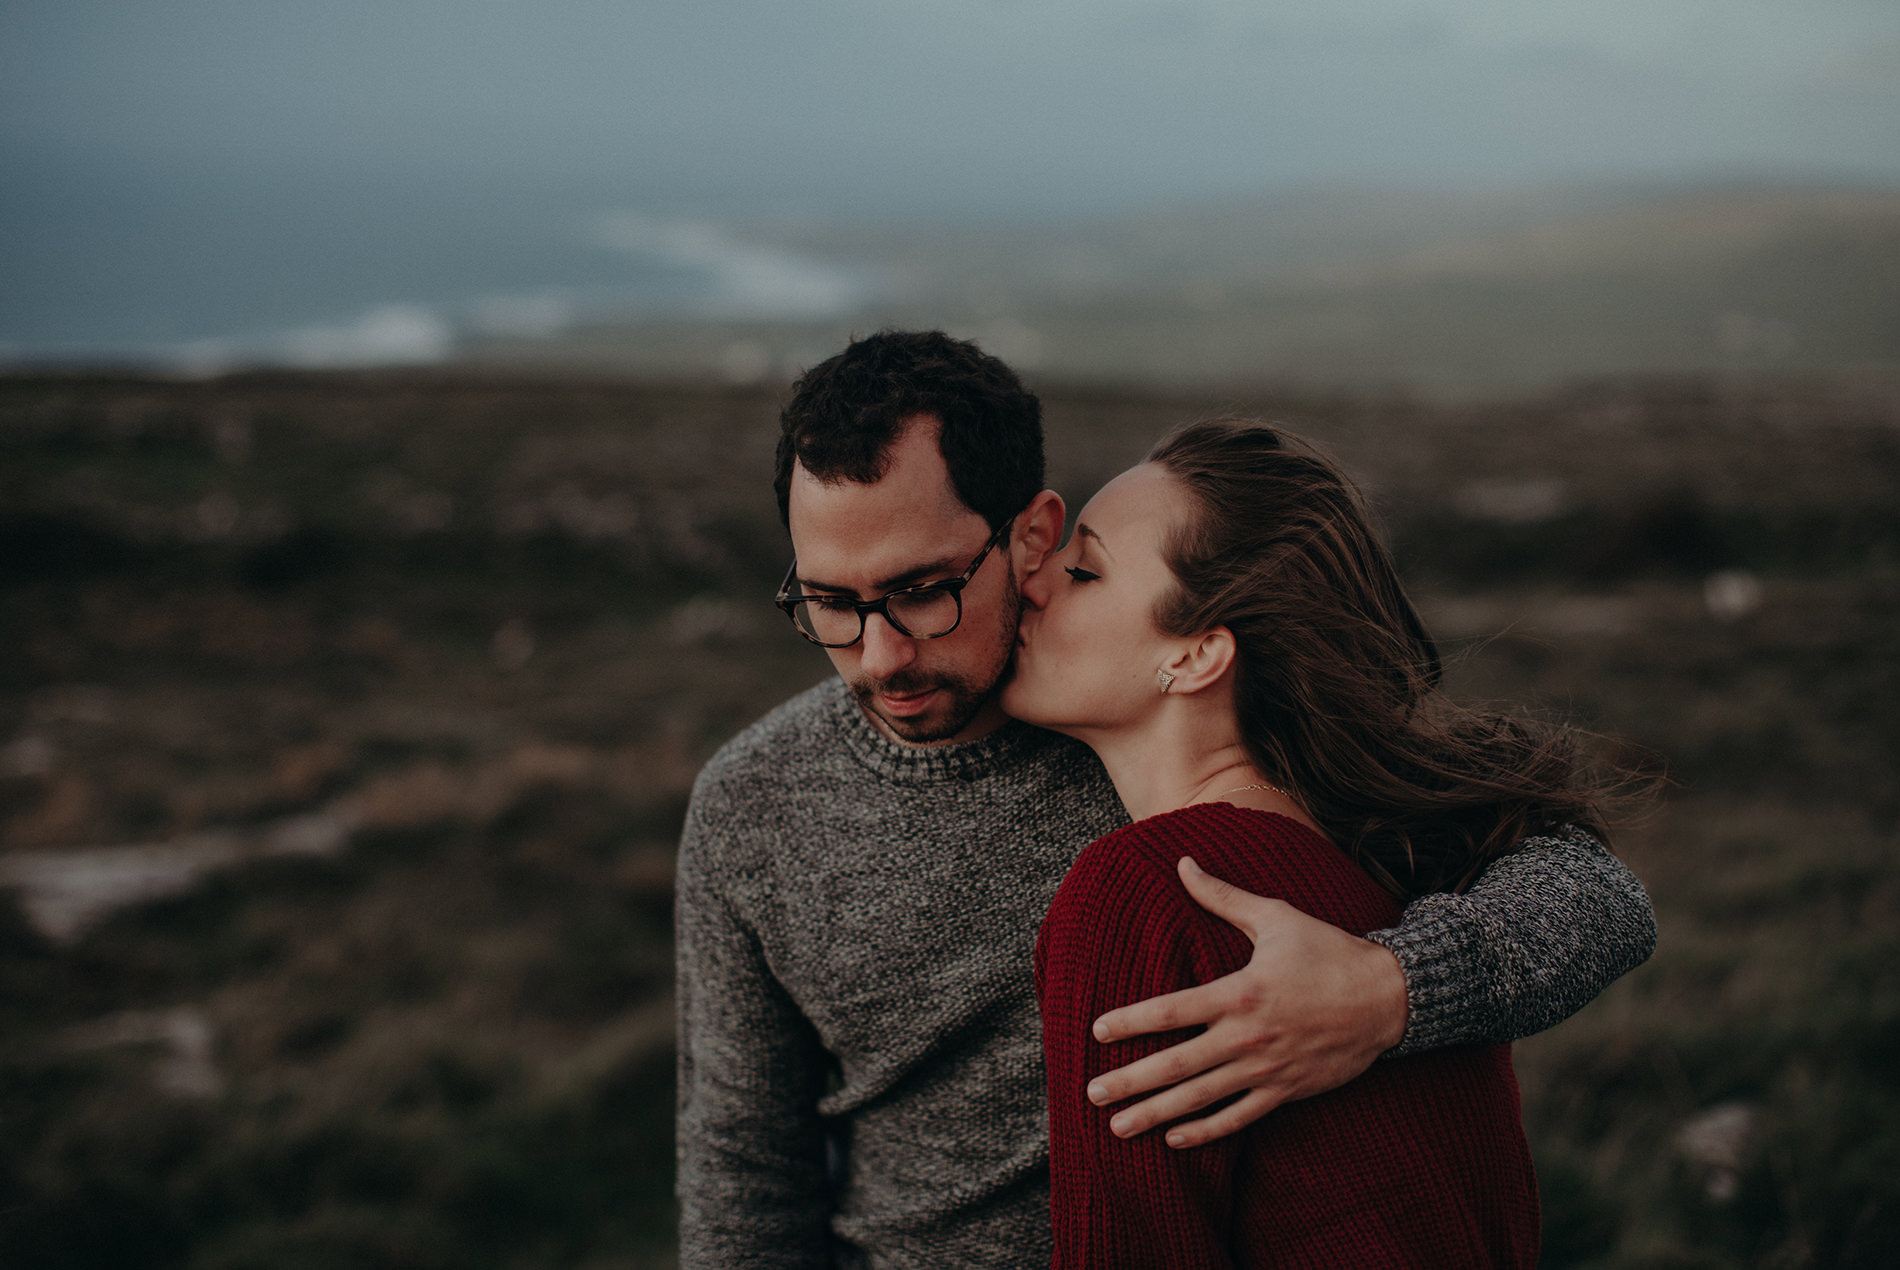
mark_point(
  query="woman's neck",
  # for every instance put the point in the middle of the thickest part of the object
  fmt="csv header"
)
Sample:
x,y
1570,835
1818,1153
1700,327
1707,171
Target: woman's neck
x,y
1189,752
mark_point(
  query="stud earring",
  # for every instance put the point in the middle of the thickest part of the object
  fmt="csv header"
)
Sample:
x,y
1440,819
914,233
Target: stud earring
x,y
1163,678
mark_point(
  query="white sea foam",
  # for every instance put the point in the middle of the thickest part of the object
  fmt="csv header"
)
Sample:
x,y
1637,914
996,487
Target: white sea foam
x,y
388,335
744,279
681,268
536,315
730,277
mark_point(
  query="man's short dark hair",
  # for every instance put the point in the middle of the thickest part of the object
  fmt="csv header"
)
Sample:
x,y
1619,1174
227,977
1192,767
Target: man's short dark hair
x,y
846,412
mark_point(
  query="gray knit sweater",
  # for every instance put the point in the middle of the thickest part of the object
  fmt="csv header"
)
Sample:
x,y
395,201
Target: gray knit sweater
x,y
860,1063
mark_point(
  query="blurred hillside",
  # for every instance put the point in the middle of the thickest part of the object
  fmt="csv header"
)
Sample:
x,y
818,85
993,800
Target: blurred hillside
x,y
1459,295
347,721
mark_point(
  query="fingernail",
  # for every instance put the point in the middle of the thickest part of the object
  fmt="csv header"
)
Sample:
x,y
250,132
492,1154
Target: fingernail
x,y
1176,1140
1097,1094
1118,1127
1191,863
1101,1031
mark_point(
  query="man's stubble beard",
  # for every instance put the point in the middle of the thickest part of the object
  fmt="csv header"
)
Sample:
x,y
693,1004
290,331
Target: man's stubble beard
x,y
967,698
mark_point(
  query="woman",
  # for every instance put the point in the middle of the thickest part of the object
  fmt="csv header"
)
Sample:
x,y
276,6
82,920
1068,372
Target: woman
x,y
1228,634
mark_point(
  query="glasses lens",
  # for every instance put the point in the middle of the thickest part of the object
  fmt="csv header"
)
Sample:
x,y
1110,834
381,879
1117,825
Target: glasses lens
x,y
926,614
827,622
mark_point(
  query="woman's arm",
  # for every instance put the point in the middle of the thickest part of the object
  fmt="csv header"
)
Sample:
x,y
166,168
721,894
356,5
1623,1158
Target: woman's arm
x,y
1120,930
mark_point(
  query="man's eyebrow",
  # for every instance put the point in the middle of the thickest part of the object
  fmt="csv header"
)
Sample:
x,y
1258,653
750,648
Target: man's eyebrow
x,y
910,577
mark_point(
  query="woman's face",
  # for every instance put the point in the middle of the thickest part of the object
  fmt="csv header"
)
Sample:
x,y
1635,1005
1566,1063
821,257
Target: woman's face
x,y
1087,649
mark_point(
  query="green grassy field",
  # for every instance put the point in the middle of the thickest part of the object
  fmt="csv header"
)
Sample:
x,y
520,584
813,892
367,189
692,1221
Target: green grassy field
x,y
347,721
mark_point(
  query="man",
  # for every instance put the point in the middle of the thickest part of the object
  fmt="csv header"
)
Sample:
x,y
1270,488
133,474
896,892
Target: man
x,y
863,873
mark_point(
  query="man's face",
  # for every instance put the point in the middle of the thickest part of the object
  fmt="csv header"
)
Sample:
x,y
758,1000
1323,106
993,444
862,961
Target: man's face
x,y
862,541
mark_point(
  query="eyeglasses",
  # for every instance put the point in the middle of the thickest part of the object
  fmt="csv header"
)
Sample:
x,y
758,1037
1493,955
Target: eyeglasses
x,y
927,611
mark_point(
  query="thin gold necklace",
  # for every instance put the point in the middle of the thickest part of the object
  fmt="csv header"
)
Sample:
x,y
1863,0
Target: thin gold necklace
x,y
1273,789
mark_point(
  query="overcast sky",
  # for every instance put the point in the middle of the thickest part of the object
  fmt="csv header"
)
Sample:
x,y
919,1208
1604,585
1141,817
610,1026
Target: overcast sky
x,y
869,107
184,171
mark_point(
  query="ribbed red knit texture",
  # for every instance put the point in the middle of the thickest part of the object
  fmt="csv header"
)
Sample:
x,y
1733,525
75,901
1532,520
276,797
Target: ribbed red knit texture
x,y
1421,1162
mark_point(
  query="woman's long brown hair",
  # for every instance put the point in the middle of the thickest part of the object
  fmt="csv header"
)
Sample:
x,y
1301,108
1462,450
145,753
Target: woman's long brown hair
x,y
1335,681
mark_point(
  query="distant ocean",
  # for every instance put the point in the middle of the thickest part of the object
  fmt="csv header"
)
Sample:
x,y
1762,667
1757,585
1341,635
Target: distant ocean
x,y
191,273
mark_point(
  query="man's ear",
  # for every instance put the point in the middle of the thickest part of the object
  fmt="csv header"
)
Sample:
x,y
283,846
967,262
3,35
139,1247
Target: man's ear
x,y
1038,532
1200,662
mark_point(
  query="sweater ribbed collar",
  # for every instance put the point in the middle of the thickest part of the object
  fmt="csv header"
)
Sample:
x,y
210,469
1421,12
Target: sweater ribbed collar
x,y
930,764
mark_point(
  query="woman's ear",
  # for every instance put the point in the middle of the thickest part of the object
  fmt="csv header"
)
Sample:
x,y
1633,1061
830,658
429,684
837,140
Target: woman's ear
x,y
1200,663
1038,532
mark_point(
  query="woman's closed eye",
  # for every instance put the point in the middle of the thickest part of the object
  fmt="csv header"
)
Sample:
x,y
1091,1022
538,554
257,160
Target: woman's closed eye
x,y
1080,575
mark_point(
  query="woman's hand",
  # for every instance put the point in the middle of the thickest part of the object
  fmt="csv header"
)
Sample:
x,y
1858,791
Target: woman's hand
x,y
1312,1010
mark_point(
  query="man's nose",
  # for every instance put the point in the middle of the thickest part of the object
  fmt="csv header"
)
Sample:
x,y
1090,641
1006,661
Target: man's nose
x,y
887,650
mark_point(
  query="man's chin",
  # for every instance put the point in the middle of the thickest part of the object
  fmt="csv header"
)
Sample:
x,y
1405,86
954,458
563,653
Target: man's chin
x,y
924,731
932,721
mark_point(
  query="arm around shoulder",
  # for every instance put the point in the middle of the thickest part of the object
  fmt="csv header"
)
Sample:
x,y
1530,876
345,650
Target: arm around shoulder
x,y
1538,935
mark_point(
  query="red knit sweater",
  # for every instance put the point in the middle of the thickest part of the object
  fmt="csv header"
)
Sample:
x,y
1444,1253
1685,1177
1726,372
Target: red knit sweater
x,y
1421,1162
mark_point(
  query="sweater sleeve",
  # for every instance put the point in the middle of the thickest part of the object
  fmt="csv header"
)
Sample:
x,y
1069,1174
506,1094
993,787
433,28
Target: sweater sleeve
x,y
751,1146
1120,932
1534,939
